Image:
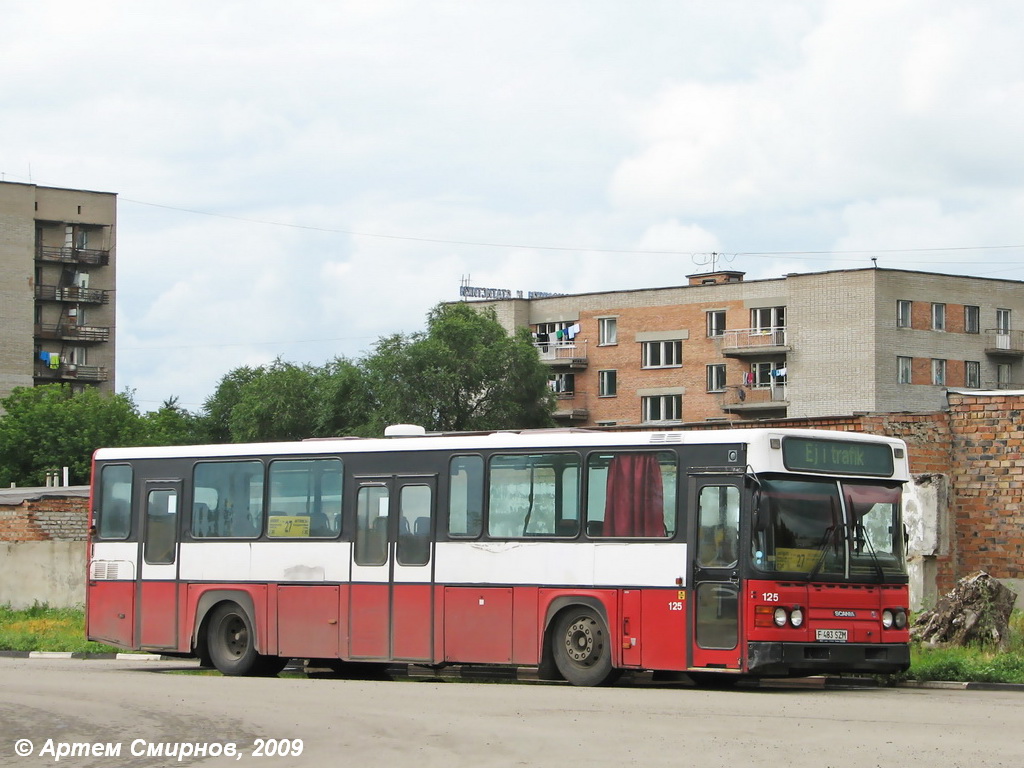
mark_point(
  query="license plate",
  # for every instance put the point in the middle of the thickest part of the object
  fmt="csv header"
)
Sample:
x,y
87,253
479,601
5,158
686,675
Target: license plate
x,y
830,635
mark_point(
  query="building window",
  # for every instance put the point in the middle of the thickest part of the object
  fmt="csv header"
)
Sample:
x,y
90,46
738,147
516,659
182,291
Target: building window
x,y
767,319
716,322
1003,371
904,370
939,372
938,317
1003,320
607,383
767,374
662,407
972,374
662,354
903,307
562,383
716,378
607,330
972,319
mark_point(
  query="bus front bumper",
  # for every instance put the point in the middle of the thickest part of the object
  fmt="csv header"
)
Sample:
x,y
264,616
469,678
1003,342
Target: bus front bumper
x,y
796,659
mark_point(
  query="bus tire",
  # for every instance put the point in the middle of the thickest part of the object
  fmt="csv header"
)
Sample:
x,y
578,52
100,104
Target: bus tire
x,y
231,642
581,647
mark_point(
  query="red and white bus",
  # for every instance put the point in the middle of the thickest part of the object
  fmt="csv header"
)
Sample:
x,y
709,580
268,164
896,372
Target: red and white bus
x,y
742,552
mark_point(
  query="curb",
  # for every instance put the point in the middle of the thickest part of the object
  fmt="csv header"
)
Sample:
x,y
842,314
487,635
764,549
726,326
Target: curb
x,y
85,655
472,673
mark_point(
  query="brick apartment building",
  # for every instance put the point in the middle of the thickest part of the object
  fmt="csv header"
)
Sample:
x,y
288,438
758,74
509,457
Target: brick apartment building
x,y
57,277
799,346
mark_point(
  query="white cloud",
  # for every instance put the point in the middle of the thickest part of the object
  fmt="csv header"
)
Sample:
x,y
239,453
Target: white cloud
x,y
590,127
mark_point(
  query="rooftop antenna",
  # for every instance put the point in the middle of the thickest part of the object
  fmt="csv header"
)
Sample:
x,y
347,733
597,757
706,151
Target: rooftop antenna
x,y
874,262
704,259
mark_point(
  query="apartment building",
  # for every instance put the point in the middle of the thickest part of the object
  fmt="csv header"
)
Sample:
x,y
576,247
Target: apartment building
x,y
803,345
57,278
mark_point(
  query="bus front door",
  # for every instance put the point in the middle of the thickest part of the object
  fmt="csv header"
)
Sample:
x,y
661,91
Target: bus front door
x,y
157,600
715,604
391,595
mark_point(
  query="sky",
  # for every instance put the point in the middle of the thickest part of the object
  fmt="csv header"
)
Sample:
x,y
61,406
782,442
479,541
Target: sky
x,y
296,181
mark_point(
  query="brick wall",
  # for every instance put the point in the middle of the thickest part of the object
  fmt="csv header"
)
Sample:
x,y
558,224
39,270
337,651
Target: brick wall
x,y
45,518
988,482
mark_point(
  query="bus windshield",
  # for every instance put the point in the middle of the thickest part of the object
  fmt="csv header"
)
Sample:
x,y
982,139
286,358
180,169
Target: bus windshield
x,y
848,529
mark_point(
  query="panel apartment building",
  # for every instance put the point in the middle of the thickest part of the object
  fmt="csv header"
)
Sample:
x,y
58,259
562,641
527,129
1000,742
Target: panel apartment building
x,y
57,280
804,345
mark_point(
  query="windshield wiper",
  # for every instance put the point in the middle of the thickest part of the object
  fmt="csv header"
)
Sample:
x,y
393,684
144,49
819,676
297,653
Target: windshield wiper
x,y
829,537
859,540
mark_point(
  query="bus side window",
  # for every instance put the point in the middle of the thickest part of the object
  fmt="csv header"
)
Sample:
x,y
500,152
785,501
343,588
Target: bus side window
x,y
631,494
115,502
233,494
466,496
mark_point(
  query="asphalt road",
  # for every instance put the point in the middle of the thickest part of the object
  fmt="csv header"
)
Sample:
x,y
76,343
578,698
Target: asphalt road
x,y
57,710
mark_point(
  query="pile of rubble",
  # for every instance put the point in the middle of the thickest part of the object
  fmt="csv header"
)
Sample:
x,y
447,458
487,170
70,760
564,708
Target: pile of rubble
x,y
977,611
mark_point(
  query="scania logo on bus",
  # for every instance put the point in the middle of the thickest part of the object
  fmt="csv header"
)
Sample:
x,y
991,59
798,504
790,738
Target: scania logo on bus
x,y
845,614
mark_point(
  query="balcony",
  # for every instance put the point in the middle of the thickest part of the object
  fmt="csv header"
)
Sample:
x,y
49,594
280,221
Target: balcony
x,y
570,354
753,341
71,293
1001,343
71,332
59,255
70,372
774,397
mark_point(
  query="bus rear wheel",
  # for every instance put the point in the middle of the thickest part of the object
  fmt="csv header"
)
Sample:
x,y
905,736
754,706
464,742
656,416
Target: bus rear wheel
x,y
231,641
581,648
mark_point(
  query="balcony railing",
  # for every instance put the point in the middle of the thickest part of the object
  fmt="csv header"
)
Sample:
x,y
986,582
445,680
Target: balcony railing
x,y
570,353
999,342
771,397
71,293
1003,385
72,332
752,341
70,372
91,256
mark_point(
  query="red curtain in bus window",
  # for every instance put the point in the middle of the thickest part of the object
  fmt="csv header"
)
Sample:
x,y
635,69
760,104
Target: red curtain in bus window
x,y
634,496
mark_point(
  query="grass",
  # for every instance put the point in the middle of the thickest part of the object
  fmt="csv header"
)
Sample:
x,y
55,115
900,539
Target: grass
x,y
41,628
972,664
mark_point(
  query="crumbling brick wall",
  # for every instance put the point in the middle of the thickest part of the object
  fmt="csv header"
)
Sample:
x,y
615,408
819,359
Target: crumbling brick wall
x,y
46,518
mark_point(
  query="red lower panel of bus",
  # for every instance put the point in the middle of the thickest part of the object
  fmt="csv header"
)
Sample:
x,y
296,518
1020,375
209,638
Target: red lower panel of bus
x,y
308,621
158,614
111,615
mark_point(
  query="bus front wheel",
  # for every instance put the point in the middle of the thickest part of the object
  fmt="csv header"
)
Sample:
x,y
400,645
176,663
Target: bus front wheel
x,y
581,648
231,642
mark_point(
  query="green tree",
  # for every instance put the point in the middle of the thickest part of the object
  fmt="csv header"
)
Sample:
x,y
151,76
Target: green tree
x,y
172,425
216,414
285,401
464,373
51,427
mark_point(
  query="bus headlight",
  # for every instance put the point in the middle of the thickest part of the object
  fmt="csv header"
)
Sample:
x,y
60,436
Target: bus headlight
x,y
900,619
796,616
780,617
887,619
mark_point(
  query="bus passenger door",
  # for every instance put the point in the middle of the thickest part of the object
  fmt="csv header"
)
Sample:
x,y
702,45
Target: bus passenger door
x,y
715,604
157,603
391,597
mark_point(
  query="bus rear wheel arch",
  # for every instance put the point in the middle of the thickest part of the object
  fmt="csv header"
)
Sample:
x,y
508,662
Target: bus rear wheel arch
x,y
581,647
